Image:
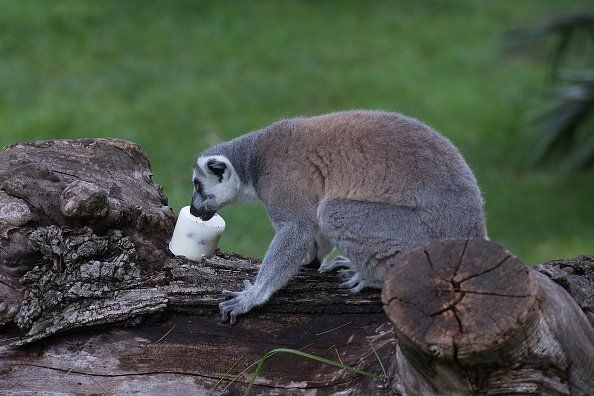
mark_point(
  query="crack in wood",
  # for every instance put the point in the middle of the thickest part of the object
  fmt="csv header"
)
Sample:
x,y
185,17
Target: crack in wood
x,y
352,377
461,258
486,271
486,293
449,306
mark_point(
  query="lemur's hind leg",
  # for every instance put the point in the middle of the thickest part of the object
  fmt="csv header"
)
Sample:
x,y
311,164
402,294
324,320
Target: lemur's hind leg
x,y
325,247
371,235
354,281
337,262
323,250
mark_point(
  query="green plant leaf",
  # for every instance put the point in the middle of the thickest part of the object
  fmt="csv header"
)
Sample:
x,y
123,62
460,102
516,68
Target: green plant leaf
x,y
320,359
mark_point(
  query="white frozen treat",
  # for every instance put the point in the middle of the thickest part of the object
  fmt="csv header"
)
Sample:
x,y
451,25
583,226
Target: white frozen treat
x,y
194,238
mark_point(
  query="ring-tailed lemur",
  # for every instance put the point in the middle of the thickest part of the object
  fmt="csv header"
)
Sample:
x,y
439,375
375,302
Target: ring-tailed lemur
x,y
372,184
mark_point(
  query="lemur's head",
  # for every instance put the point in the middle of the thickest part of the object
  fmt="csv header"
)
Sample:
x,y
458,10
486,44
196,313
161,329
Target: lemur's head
x,y
216,184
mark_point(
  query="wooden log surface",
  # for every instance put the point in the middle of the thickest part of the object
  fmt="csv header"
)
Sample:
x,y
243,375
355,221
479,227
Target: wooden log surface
x,y
176,343
95,280
186,350
185,353
576,276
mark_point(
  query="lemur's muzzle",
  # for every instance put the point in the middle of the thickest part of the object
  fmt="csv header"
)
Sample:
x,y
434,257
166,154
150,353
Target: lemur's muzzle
x,y
199,208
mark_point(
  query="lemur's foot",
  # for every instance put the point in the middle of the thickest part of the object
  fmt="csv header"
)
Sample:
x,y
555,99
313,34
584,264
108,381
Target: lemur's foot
x,y
339,261
355,282
242,302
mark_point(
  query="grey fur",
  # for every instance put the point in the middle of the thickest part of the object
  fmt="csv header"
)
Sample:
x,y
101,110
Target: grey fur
x,y
372,184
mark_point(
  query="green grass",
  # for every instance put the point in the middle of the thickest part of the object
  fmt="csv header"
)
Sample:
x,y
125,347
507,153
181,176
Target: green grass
x,y
261,361
178,76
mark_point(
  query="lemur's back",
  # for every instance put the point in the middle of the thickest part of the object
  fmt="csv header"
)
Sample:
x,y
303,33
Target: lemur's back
x,y
375,157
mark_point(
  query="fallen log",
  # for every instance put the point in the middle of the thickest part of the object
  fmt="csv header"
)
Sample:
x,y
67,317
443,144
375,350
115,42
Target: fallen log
x,y
91,301
96,280
84,232
186,349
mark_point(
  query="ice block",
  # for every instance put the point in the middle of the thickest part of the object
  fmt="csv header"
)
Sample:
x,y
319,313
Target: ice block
x,y
194,238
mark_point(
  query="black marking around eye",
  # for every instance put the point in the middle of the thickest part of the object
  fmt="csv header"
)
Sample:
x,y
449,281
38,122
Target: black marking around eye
x,y
216,167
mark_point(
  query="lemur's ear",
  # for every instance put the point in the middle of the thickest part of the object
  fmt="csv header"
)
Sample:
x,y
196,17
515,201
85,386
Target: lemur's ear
x,y
216,167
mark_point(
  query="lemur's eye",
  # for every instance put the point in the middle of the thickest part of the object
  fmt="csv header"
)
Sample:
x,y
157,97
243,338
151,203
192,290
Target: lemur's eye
x,y
197,186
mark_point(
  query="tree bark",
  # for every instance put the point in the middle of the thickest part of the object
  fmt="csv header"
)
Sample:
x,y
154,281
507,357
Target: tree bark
x,y
183,348
102,184
91,301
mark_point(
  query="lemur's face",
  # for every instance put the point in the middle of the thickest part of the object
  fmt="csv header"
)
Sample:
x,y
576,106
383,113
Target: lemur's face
x,y
215,184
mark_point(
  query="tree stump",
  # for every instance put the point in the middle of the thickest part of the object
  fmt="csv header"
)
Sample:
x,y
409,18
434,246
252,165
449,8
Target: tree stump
x,y
472,318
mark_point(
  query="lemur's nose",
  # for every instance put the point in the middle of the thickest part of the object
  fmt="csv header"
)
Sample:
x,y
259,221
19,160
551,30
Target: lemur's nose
x,y
201,212
193,211
200,208
207,215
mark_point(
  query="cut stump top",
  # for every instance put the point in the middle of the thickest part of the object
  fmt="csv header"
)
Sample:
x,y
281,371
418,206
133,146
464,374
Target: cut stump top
x,y
459,299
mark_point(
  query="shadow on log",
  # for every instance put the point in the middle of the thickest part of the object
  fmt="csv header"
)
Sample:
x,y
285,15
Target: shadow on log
x,y
92,302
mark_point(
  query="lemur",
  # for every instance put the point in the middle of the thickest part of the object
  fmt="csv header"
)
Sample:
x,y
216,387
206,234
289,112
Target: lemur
x,y
372,184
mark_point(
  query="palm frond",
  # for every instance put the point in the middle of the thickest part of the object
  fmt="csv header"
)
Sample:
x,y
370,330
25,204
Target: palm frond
x,y
572,106
563,29
563,121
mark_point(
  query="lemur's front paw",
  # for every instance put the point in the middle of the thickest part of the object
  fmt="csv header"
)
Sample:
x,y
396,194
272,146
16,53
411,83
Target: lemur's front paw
x,y
241,302
355,282
339,261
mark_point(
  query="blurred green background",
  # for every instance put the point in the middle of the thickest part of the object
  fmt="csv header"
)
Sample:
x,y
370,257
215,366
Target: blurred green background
x,y
178,76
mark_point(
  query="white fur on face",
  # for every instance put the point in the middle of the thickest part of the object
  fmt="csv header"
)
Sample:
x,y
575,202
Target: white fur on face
x,y
227,191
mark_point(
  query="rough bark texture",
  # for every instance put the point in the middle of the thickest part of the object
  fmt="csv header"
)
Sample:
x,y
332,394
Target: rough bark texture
x,y
95,280
472,318
576,276
83,258
186,349
101,184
